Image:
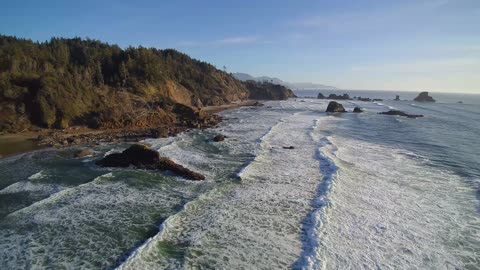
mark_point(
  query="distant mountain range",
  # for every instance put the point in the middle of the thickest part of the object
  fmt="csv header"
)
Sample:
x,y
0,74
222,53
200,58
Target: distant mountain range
x,y
295,85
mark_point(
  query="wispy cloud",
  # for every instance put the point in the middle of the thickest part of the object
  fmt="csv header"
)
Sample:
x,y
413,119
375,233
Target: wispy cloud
x,y
228,41
422,66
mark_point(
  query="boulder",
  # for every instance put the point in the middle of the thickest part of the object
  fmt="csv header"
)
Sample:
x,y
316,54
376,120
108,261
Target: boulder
x,y
334,106
139,155
288,147
84,153
357,110
424,97
114,160
397,97
219,138
400,113
143,157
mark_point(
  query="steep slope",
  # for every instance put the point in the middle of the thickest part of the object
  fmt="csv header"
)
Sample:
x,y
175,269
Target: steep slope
x,y
65,82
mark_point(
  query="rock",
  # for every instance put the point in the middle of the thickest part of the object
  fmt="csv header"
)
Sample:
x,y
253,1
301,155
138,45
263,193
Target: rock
x,y
288,147
424,97
145,158
160,133
334,106
321,96
400,113
257,104
397,97
167,164
364,99
339,97
84,153
114,160
219,138
460,102
377,99
357,110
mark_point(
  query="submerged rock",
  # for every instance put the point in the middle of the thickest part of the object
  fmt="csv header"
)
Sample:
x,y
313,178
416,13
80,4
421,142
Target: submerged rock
x,y
357,110
219,138
424,97
288,147
143,157
334,106
400,113
84,153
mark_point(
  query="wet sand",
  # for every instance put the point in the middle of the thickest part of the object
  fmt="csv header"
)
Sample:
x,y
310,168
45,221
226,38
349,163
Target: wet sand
x,y
11,144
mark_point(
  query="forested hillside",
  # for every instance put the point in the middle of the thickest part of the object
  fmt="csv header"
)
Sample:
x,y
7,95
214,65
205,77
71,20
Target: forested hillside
x,y
66,82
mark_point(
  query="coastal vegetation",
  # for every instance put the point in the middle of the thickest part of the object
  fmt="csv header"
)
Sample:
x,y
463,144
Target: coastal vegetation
x,y
64,82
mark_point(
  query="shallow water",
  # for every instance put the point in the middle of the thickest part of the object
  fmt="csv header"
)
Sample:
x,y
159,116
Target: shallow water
x,y
358,191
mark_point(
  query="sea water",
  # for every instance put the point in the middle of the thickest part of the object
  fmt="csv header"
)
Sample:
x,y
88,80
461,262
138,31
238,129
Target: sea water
x,y
357,191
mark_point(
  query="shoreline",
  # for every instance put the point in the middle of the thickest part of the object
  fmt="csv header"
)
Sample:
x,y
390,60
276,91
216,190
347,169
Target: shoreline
x,y
24,142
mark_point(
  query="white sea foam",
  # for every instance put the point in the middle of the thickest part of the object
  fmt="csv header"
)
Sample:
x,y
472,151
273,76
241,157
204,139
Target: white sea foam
x,y
38,175
391,211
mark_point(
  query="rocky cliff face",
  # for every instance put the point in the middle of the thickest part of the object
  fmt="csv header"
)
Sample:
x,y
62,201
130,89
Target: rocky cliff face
x,y
268,91
424,97
65,82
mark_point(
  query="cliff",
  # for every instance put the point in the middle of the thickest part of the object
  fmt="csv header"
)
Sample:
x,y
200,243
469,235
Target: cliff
x,y
64,82
268,91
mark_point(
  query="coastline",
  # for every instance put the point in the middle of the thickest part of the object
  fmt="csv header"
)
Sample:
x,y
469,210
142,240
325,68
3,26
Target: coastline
x,y
24,142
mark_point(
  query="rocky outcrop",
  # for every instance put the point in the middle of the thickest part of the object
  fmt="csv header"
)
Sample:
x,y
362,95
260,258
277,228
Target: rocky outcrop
x,y
424,97
83,153
397,97
219,138
357,110
268,91
334,97
364,99
334,107
400,113
143,157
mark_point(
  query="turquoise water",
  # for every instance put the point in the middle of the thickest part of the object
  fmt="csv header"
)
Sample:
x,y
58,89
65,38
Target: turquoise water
x,y
358,191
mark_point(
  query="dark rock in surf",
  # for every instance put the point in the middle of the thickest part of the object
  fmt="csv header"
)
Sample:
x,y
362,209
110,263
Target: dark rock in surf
x,y
357,110
400,113
397,97
288,147
334,106
219,138
321,96
143,157
424,97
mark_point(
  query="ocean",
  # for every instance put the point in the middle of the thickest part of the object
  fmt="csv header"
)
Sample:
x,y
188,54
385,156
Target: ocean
x,y
357,191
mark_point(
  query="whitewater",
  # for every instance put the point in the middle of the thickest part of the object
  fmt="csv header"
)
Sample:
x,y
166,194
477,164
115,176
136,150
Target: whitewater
x,y
291,187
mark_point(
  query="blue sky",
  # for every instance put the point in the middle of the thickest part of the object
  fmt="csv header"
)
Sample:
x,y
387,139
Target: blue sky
x,y
393,45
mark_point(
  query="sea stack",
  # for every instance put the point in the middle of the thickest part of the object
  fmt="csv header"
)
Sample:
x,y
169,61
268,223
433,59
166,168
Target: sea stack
x,y
357,110
424,97
397,97
334,107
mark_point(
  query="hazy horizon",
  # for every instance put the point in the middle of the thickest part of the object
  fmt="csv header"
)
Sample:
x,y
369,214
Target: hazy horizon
x,y
427,45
